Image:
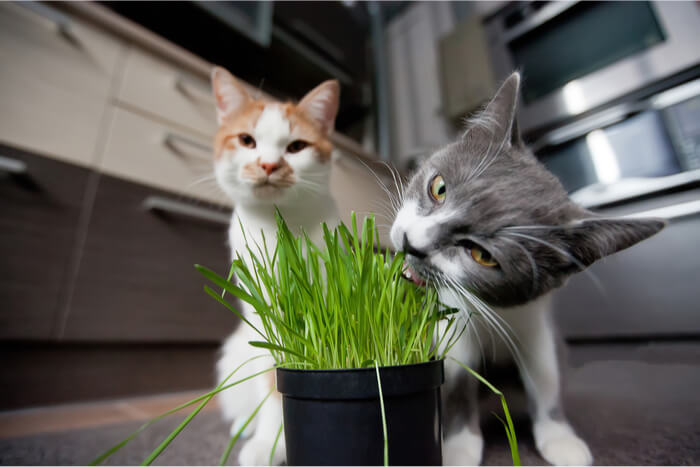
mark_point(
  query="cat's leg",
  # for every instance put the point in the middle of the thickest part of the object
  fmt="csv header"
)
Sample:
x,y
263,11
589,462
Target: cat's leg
x,y
464,443
554,437
237,402
258,450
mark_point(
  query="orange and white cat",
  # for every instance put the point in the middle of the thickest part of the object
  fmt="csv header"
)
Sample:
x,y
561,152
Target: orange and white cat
x,y
268,155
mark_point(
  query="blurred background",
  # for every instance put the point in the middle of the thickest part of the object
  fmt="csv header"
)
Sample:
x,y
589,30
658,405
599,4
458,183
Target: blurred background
x,y
106,127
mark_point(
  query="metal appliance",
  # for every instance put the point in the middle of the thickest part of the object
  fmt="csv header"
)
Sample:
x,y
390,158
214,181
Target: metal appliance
x,y
611,104
578,56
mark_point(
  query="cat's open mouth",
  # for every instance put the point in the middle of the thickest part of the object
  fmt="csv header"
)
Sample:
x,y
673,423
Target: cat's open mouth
x,y
410,274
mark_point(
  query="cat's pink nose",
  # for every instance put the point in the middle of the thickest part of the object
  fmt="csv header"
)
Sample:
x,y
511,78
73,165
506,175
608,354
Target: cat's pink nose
x,y
269,167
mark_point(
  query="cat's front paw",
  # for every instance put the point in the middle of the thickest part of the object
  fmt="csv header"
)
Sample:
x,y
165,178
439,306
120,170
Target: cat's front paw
x,y
258,449
463,448
568,449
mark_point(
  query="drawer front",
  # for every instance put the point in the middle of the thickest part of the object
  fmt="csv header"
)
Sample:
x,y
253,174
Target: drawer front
x,y
650,289
39,212
144,151
156,87
136,281
54,83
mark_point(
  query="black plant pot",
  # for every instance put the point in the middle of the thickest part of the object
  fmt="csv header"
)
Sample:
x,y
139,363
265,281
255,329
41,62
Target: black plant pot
x,y
333,417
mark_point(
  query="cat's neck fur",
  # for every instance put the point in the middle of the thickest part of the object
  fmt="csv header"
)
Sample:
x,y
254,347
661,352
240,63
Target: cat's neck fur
x,y
306,214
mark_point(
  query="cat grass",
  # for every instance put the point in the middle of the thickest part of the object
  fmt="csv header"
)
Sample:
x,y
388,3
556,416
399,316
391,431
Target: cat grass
x,y
340,305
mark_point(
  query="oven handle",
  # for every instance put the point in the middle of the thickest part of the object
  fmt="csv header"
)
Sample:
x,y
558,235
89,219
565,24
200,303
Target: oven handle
x,y
594,122
594,196
673,212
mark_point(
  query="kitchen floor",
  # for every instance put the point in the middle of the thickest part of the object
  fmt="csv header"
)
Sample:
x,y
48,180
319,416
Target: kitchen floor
x,y
635,404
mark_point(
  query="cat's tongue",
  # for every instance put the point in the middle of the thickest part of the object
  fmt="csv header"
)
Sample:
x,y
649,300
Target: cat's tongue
x,y
411,275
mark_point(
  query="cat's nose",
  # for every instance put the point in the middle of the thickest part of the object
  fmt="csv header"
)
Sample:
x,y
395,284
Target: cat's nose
x,y
410,249
269,167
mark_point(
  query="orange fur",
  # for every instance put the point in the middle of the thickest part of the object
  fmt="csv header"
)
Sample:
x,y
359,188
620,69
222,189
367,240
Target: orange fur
x,y
302,125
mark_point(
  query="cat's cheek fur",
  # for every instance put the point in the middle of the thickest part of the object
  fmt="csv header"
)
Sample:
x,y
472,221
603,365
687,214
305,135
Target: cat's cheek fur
x,y
226,173
450,266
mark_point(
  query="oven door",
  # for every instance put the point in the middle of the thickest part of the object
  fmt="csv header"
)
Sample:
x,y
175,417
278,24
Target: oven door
x,y
578,56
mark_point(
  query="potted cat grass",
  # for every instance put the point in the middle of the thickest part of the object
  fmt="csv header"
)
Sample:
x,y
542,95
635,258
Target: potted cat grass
x,y
359,351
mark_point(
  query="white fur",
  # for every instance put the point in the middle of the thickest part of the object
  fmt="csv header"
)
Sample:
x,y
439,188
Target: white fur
x,y
272,133
532,333
420,230
463,448
304,205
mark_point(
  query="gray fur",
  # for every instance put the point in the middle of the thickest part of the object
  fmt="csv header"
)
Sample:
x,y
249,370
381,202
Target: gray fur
x,y
504,200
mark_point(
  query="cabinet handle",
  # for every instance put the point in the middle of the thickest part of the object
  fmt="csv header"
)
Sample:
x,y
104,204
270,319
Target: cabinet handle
x,y
171,140
190,88
13,166
163,204
675,211
62,22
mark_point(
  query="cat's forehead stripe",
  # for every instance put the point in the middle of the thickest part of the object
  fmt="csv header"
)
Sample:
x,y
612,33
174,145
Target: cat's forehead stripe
x,y
273,123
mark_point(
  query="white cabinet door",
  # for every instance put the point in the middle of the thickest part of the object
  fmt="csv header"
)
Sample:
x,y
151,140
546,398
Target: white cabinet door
x,y
54,83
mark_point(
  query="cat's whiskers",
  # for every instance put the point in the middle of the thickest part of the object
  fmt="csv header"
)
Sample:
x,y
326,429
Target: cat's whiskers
x,y
383,210
469,323
396,199
398,181
491,318
209,178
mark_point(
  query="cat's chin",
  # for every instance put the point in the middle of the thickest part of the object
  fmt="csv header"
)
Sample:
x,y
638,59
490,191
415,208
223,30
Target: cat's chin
x,y
268,192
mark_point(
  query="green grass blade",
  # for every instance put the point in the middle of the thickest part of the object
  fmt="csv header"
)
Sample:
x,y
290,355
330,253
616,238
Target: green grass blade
x,y
234,438
277,348
104,456
510,429
381,404
274,445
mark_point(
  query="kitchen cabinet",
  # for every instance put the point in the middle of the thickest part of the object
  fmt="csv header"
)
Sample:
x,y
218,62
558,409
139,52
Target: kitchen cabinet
x,y
41,204
136,281
55,82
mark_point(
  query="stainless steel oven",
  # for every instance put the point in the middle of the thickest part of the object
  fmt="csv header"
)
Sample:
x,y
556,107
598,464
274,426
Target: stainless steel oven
x,y
638,158
578,56
611,105
634,149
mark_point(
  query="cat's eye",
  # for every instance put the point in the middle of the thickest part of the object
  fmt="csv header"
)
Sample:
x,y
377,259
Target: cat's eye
x,y
438,190
246,140
297,145
482,256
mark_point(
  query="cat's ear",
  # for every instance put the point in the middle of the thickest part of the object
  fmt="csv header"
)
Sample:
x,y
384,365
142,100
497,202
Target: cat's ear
x,y
321,105
591,239
496,123
230,95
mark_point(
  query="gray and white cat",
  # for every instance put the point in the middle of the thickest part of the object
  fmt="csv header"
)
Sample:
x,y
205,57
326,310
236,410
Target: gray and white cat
x,y
496,232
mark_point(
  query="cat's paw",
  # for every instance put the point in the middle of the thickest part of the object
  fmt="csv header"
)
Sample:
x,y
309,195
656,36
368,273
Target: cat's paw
x,y
238,424
567,449
257,452
463,448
